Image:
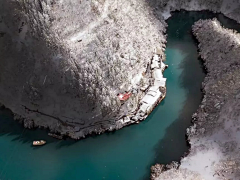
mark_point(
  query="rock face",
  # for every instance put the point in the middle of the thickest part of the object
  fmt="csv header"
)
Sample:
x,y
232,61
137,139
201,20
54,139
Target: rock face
x,y
214,137
64,62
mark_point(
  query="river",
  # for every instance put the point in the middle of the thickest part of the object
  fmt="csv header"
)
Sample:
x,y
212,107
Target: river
x,y
126,154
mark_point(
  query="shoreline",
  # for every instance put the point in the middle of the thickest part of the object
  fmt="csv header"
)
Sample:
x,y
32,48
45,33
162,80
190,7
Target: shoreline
x,y
50,111
172,168
135,118
59,87
208,117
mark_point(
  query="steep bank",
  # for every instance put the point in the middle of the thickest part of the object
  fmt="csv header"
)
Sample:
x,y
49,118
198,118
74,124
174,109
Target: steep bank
x,y
63,71
214,135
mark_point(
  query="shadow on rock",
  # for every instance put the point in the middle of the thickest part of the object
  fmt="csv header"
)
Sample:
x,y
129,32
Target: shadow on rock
x,y
15,130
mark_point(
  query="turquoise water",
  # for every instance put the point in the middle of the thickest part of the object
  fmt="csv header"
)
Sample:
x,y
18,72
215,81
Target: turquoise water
x,y
126,154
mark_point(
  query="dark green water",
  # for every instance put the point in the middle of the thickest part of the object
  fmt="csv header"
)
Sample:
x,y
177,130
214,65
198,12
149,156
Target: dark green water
x,y
128,153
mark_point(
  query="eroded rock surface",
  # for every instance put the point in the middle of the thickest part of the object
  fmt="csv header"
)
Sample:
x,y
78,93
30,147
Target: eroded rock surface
x,y
214,137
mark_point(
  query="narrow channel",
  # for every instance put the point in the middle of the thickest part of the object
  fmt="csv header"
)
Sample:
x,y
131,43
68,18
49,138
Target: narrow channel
x,y
129,153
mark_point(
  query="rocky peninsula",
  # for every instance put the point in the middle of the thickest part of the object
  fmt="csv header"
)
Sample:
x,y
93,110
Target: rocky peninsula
x,y
64,71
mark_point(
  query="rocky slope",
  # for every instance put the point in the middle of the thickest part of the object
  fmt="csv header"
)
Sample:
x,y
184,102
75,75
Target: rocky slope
x,y
214,137
64,62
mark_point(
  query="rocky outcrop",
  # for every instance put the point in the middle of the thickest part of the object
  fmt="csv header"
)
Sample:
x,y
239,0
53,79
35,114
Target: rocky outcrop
x,y
214,136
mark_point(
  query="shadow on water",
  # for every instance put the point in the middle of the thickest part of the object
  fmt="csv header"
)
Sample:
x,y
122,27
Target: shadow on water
x,y
9,127
173,146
